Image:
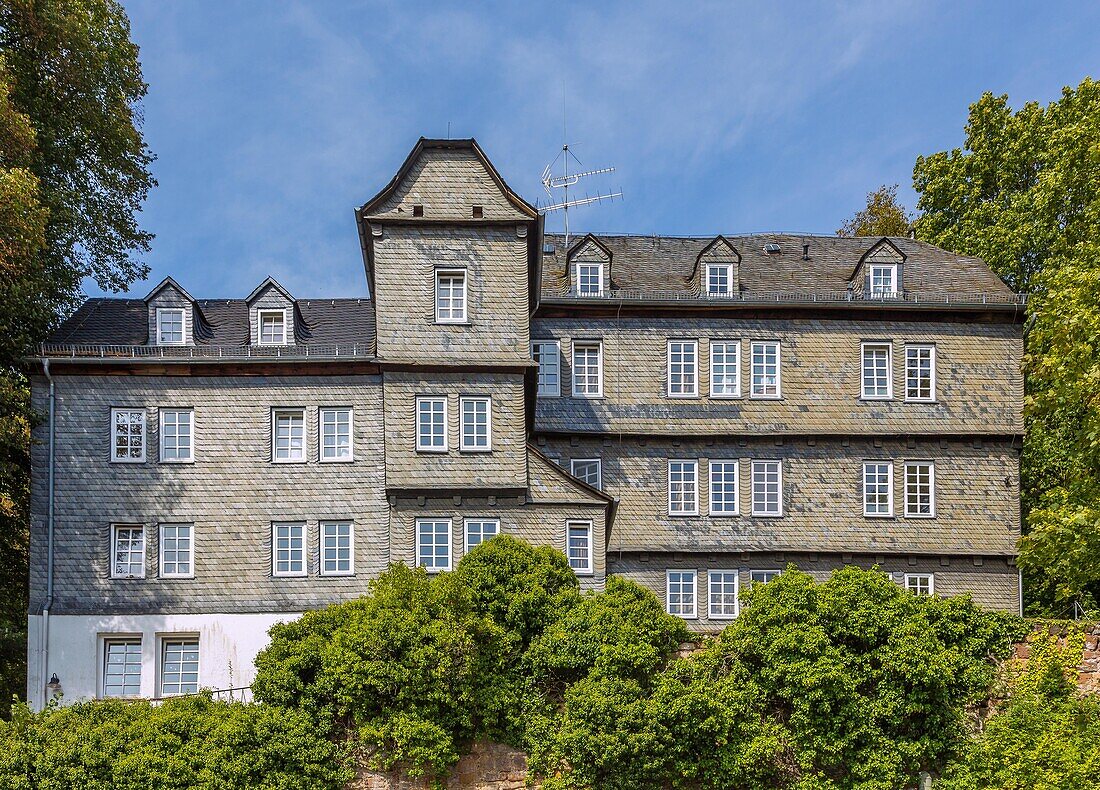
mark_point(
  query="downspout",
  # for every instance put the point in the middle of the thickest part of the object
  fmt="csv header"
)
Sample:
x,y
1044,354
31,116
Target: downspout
x,y
49,541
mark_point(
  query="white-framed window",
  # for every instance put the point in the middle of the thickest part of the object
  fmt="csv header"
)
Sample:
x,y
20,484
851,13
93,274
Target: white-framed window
x,y
767,488
590,470
920,583
920,372
337,549
877,378
121,667
177,435
127,551
450,296
288,548
335,431
479,530
433,544
878,488
719,278
547,353
177,551
683,488
128,435
725,369
431,425
884,280
170,326
589,278
766,372
723,588
579,545
762,577
272,327
587,370
723,488
680,593
179,668
288,436
920,489
476,424
683,368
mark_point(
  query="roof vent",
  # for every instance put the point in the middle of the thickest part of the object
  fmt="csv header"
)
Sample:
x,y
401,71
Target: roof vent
x,y
418,210
771,248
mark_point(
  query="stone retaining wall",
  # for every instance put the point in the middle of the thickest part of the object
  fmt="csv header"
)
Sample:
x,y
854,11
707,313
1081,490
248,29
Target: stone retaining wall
x,y
488,766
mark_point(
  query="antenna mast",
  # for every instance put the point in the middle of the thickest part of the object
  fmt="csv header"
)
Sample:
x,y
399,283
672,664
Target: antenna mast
x,y
566,180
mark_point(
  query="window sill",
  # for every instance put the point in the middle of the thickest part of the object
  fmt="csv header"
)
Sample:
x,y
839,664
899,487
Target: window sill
x,y
432,450
721,616
548,395
336,575
693,514
127,578
713,396
175,577
693,396
876,397
127,460
290,576
765,397
921,516
725,515
177,461
767,515
437,322
274,345
921,400
288,461
336,460
879,516
588,397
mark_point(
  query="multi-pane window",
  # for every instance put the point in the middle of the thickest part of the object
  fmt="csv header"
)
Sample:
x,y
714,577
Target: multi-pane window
x,y
547,354
876,370
479,530
272,327
589,470
335,434
762,577
128,551
590,279
920,583
128,435
718,278
336,548
587,370
884,280
683,488
431,424
579,537
878,488
681,593
177,550
121,668
450,296
683,378
723,488
725,369
288,549
170,326
433,544
177,434
920,372
288,435
723,594
476,424
767,488
765,370
179,669
920,489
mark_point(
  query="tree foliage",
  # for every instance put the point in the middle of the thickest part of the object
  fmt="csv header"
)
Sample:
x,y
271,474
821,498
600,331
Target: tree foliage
x,y
882,216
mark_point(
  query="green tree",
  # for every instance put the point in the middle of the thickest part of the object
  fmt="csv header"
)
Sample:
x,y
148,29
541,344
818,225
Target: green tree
x,y
882,216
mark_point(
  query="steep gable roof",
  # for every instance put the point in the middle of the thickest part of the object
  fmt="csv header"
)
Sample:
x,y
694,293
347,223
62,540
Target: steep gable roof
x,y
269,282
169,282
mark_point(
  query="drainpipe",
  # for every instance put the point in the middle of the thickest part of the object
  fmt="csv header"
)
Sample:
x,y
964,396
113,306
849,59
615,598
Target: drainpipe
x,y
49,542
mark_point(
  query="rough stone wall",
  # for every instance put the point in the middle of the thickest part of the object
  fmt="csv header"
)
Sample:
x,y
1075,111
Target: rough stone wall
x,y
488,766
1088,671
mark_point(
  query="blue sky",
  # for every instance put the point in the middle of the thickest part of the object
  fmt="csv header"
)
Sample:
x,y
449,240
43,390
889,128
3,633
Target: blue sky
x,y
272,120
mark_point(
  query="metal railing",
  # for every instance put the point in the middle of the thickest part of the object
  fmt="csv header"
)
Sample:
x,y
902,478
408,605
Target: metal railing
x,y
828,297
302,352
238,694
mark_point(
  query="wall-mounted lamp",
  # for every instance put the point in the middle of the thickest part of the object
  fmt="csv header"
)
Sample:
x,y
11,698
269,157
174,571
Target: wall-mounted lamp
x,y
53,688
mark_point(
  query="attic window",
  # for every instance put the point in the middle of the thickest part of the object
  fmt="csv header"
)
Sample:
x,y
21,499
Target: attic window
x,y
170,326
418,210
771,248
272,327
478,212
883,279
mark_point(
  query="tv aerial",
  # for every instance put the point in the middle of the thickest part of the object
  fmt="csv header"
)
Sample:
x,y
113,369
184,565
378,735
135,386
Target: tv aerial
x,y
565,180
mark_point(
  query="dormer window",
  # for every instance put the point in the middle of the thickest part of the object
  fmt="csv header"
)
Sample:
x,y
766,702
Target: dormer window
x,y
719,277
884,281
170,326
590,279
272,327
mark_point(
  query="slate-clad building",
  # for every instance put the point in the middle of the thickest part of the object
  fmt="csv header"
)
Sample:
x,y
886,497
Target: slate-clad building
x,y
692,413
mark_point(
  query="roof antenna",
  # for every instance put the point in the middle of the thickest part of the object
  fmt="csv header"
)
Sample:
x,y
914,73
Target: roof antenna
x,y
448,130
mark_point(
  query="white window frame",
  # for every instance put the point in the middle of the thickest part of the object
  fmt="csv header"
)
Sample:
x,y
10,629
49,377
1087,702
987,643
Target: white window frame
x,y
719,615
105,647
144,553
586,526
289,573
588,344
931,349
877,345
931,489
878,293
712,467
577,277
475,448
450,544
262,313
466,522
694,613
322,528
729,279
162,648
322,434
685,346
114,436
455,317
164,412
762,393
599,470
544,390
162,545
773,572
694,511
420,446
889,488
289,410
752,480
736,364
913,577
161,311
